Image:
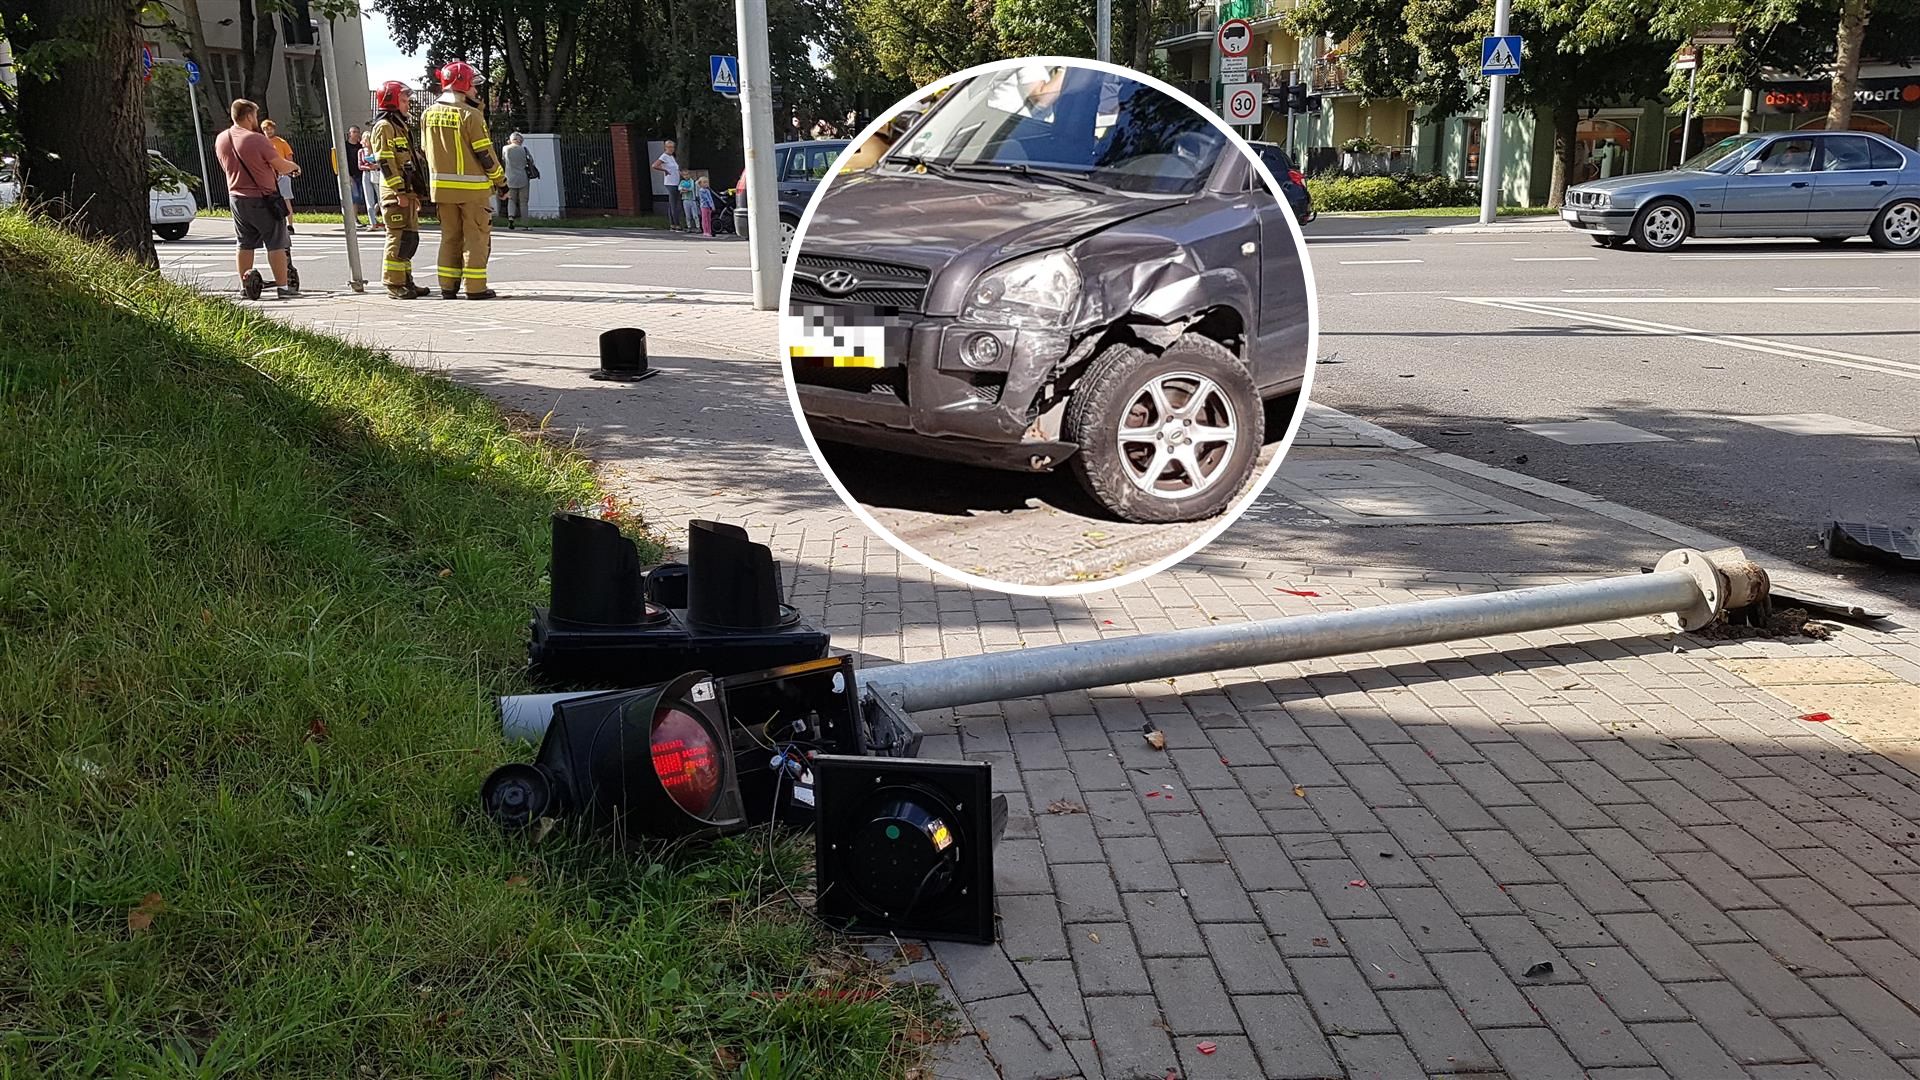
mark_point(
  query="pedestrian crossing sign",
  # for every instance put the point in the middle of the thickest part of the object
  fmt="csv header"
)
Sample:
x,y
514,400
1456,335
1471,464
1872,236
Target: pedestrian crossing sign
x,y
726,74
1500,55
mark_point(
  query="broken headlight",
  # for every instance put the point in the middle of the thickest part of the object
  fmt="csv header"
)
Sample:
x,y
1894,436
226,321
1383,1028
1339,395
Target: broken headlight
x,y
1039,290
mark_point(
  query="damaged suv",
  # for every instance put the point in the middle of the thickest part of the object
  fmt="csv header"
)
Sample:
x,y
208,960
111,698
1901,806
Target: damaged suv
x,y
1057,266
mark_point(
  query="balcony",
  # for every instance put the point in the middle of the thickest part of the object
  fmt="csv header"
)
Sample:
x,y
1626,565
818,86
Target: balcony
x,y
1199,90
1197,27
1256,11
1275,76
1330,76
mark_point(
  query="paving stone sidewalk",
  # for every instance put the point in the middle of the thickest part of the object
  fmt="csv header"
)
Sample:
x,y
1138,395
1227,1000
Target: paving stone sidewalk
x,y
1603,851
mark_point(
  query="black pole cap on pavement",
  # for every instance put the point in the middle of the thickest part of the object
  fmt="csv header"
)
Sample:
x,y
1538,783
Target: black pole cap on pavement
x,y
623,355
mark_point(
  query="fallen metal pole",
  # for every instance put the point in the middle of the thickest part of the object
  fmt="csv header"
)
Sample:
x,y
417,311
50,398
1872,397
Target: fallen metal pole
x,y
1688,588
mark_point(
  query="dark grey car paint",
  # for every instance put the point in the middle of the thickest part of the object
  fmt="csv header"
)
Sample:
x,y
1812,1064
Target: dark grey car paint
x,y
1155,263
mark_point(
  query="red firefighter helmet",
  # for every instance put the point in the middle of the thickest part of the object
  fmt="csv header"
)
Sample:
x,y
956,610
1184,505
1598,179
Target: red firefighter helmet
x,y
457,75
391,96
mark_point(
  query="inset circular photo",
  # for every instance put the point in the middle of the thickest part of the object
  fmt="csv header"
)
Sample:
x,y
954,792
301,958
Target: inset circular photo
x,y
1049,325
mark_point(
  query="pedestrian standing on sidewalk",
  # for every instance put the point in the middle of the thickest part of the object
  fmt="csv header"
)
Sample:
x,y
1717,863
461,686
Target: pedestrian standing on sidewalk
x,y
466,173
370,180
285,149
356,156
703,195
668,167
518,158
253,168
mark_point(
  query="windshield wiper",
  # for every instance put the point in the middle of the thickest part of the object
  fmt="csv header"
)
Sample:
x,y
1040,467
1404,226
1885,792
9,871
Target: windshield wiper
x,y
1021,168
924,164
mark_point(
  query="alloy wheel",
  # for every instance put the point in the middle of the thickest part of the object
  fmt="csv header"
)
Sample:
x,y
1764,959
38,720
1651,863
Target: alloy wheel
x,y
1665,226
1177,435
1902,224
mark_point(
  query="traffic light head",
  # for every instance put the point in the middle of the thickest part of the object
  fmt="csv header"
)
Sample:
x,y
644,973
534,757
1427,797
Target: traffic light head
x,y
655,762
906,847
1297,98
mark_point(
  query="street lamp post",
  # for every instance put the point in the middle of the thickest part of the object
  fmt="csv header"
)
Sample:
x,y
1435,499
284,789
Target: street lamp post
x,y
341,176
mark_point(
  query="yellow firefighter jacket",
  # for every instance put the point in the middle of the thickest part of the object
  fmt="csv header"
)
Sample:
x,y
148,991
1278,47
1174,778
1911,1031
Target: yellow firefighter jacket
x,y
397,156
460,153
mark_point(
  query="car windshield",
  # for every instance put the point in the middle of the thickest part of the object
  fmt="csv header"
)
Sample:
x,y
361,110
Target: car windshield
x,y
1069,124
1719,157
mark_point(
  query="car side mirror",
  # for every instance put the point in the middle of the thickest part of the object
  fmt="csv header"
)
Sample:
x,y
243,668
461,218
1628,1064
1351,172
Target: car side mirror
x,y
1750,165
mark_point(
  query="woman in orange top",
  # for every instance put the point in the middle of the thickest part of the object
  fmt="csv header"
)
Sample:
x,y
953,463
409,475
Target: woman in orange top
x,y
272,131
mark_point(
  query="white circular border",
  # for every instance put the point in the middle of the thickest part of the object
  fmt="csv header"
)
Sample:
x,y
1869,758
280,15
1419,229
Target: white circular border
x,y
1227,518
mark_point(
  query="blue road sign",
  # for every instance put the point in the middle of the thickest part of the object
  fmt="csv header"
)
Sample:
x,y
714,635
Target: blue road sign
x,y
726,74
146,62
193,73
1500,55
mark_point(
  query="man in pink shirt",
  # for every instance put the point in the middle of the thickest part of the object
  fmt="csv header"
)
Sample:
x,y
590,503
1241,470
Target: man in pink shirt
x,y
253,169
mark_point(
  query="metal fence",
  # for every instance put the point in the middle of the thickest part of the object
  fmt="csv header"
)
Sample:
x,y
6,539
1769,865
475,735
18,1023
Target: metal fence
x,y
586,164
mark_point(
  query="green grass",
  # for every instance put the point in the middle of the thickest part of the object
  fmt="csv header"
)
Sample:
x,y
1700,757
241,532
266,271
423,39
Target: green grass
x,y
308,217
257,587
1445,211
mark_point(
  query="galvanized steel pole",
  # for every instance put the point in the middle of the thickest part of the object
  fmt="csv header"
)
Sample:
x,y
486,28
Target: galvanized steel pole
x,y
1490,129
941,684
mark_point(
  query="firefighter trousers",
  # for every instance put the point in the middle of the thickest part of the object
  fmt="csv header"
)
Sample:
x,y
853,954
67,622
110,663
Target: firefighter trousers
x,y
403,239
466,239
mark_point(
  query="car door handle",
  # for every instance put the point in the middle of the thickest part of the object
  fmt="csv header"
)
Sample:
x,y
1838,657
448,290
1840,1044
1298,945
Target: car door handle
x,y
1877,183
1799,183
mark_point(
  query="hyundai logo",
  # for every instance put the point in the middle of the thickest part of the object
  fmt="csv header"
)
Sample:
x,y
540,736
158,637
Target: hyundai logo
x,y
839,282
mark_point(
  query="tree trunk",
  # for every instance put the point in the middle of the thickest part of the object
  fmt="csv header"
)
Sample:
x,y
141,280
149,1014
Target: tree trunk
x,y
1141,52
213,114
1566,131
1846,62
259,31
92,175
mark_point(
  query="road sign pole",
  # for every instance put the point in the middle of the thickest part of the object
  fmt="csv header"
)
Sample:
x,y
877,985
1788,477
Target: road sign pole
x,y
1490,131
756,130
356,280
1686,125
1103,30
199,143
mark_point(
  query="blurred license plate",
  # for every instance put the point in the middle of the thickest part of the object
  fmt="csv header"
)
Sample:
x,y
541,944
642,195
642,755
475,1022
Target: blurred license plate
x,y
824,341
1570,215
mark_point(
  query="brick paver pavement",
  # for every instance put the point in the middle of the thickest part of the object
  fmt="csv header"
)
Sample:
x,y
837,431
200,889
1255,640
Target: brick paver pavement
x,y
1596,851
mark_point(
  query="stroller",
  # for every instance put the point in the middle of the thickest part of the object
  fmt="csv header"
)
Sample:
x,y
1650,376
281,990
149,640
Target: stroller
x,y
723,204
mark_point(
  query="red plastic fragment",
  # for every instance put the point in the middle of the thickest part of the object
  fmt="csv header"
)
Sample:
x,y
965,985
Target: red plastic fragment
x,y
1296,592
1358,883
1207,1047
1816,717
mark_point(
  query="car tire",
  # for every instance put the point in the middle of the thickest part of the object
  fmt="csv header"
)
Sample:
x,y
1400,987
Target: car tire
x,y
1141,479
789,228
1897,225
1661,225
170,232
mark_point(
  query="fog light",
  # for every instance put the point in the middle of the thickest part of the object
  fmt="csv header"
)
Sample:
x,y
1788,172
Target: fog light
x,y
981,351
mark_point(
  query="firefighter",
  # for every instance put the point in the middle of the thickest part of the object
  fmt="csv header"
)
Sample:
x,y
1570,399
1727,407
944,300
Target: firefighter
x,y
403,183
465,172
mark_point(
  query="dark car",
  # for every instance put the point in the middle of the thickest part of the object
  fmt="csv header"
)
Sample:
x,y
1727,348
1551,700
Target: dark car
x,y
1057,266
798,168
1293,186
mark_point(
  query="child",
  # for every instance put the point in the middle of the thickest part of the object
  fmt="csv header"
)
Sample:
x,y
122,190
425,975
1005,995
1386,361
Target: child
x,y
687,197
704,195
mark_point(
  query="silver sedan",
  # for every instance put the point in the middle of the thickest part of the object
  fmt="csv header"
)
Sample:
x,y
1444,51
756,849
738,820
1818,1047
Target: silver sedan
x,y
1827,185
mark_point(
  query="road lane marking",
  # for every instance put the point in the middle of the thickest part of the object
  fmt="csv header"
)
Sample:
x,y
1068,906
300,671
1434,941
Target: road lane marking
x,y
1696,299
1828,288
1402,292
1609,290
594,266
1492,243
1897,368
1555,258
1815,424
1798,255
1377,262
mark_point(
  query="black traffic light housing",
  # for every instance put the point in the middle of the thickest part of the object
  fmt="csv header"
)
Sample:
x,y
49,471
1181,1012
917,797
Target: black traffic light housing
x,y
906,847
611,623
1297,98
656,762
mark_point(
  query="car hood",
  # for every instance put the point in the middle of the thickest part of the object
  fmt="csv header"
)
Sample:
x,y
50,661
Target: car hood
x,y
936,222
1665,179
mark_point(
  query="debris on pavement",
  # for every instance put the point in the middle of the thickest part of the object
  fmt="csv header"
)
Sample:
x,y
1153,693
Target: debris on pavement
x,y
1065,806
1864,542
1816,717
1155,737
1828,608
1540,970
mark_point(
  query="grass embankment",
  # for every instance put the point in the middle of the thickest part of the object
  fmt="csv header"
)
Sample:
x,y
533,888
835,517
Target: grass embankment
x,y
256,589
310,217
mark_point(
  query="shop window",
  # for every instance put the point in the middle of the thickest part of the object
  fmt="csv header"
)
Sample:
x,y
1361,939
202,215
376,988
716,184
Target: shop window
x,y
1602,148
1858,122
1707,130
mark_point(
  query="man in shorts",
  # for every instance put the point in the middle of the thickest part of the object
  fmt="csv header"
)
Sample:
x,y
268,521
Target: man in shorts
x,y
253,169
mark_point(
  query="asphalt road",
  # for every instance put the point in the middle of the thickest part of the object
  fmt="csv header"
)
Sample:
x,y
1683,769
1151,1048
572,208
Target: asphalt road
x,y
1782,379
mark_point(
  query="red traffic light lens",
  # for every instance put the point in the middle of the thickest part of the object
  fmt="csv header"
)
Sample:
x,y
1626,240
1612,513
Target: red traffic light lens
x,y
686,757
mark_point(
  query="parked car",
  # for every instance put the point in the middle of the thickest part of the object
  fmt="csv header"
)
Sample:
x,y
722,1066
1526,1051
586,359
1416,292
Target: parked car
x,y
1827,185
170,208
798,168
1056,267
1293,185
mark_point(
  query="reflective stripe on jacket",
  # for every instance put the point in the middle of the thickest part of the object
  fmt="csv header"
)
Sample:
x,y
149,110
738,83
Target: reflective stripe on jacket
x,y
391,148
460,155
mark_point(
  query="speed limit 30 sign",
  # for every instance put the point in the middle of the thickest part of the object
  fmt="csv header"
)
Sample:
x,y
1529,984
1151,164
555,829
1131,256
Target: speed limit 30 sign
x,y
1240,102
